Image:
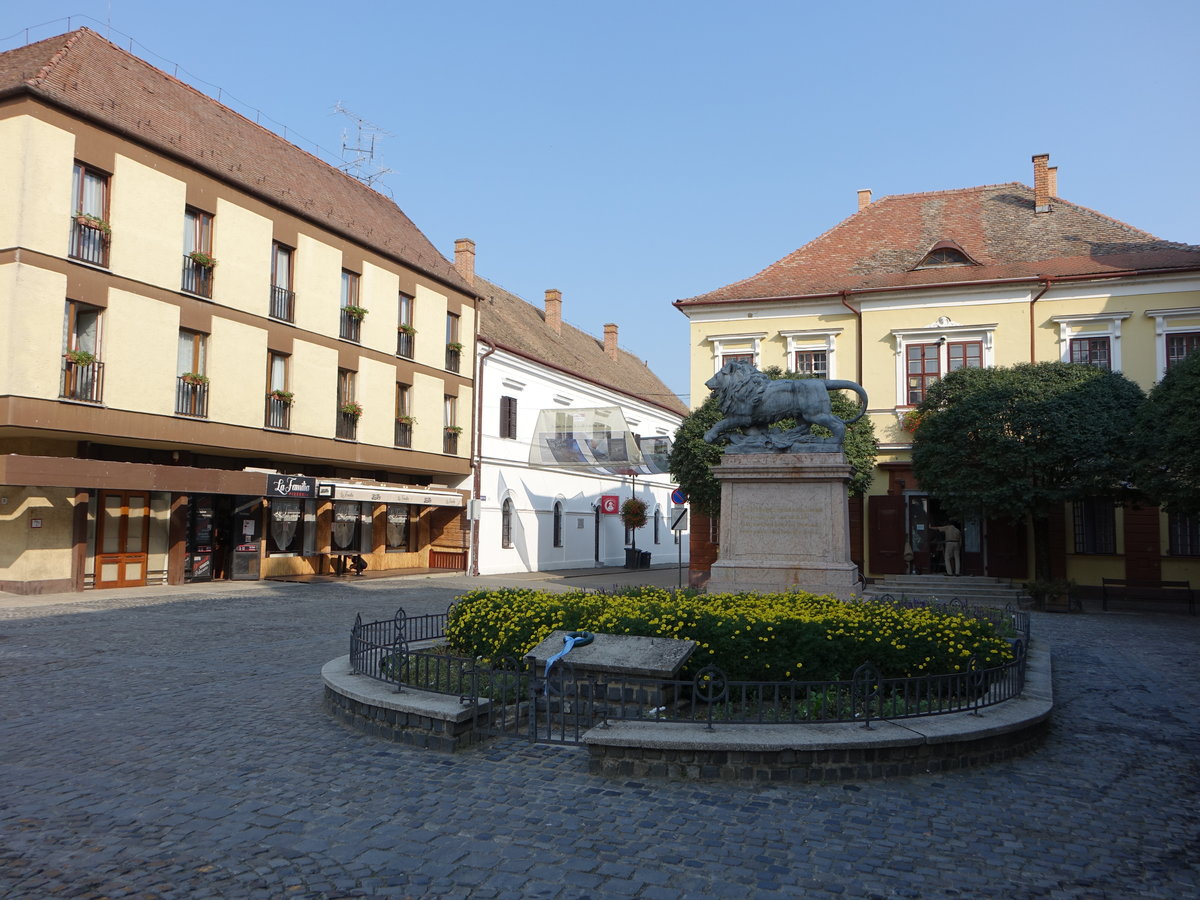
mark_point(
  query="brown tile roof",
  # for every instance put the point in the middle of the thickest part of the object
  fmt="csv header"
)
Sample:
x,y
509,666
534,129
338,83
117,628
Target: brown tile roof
x,y
87,75
877,247
520,327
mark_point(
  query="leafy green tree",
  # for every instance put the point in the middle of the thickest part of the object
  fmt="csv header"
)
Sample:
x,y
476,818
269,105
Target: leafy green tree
x,y
1168,439
1018,441
692,458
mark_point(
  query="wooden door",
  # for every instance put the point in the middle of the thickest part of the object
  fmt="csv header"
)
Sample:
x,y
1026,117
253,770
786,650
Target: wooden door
x,y
885,519
1143,556
122,538
1005,549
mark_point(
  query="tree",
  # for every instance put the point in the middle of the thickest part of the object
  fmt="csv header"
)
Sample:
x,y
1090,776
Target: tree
x,y
1168,439
1017,441
692,458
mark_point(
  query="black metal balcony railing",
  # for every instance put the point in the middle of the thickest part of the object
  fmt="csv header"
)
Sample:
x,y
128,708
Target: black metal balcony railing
x,y
82,381
453,359
283,303
351,327
347,426
88,244
197,279
191,399
403,434
279,413
404,344
450,442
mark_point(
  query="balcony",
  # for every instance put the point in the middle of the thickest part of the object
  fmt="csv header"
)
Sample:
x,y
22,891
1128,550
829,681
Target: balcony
x,y
191,399
283,303
403,434
279,413
89,242
404,344
453,359
82,381
347,427
450,442
197,278
351,327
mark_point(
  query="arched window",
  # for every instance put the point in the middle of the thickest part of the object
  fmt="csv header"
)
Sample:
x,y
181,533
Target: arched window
x,y
506,523
558,523
943,254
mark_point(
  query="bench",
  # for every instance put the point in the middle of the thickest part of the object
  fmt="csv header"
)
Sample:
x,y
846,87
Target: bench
x,y
1147,589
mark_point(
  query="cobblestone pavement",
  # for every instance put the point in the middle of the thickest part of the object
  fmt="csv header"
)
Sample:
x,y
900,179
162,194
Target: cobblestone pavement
x,y
172,744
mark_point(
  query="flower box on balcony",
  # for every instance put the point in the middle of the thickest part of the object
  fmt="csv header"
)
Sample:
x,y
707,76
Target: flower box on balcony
x,y
356,312
89,221
453,429
80,357
282,396
202,259
351,408
406,420
455,346
406,329
193,378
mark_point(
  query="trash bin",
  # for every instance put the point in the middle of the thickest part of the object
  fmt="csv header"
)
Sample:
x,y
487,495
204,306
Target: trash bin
x,y
632,558
644,560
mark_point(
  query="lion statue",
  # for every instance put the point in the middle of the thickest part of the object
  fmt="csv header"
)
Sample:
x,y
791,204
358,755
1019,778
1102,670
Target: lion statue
x,y
751,400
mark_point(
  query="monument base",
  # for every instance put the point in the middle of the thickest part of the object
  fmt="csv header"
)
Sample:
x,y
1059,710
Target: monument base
x,y
785,525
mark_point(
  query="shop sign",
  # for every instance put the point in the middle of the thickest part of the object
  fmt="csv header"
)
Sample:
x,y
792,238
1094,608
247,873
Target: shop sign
x,y
290,486
610,504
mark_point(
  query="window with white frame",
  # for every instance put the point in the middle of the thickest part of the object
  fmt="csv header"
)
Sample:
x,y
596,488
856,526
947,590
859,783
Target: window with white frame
x,y
1094,340
812,351
735,348
1180,345
923,355
1176,334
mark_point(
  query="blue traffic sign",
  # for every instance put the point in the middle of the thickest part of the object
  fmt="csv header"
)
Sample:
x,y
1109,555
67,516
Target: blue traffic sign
x,y
678,496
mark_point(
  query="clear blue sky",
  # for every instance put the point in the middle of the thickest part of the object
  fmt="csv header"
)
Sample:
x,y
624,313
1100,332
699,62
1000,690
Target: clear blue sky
x,y
629,154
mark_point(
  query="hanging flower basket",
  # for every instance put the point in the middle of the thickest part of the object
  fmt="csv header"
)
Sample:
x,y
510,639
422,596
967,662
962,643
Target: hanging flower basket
x,y
80,357
89,221
356,312
194,378
351,408
202,259
282,396
633,513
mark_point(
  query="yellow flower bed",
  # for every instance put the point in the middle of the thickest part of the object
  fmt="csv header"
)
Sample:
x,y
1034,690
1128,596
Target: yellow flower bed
x,y
776,637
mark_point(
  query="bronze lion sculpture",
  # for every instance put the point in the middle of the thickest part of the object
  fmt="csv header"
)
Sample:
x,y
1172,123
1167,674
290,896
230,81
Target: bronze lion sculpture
x,y
750,400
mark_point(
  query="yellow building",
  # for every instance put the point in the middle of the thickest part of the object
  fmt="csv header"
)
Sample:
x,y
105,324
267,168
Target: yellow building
x,y
192,309
916,285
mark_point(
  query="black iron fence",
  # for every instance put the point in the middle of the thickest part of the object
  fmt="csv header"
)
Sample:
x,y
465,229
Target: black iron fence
x,y
283,303
197,277
88,241
82,381
561,704
191,399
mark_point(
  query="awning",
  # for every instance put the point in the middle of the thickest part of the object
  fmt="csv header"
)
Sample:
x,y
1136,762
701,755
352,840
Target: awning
x,y
371,494
596,439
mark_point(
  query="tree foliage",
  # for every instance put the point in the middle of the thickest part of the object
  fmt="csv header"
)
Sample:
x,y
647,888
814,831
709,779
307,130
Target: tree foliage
x,y
692,459
1168,439
1017,441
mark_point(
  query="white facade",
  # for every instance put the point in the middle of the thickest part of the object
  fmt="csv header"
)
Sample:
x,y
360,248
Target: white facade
x,y
587,536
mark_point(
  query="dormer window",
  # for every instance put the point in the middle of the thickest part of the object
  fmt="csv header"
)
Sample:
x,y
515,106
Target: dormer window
x,y
945,254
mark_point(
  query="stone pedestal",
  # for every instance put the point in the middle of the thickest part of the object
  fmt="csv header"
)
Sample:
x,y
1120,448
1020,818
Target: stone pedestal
x,y
785,524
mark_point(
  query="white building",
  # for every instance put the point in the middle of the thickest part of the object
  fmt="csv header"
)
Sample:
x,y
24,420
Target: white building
x,y
564,421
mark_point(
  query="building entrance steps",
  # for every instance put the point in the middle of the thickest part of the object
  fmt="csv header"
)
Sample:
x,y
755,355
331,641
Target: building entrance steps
x,y
975,589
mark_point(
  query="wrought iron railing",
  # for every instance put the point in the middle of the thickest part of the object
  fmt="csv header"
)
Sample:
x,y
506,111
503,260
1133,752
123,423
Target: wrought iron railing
x,y
88,243
450,442
191,399
197,278
403,434
279,413
82,381
347,426
351,327
283,303
405,344
453,359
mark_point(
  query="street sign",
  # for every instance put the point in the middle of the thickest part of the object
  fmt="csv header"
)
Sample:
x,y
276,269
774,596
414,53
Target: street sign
x,y
610,504
678,497
679,518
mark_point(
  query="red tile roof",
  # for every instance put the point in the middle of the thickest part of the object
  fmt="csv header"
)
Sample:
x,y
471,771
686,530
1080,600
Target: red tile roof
x,y
85,74
879,246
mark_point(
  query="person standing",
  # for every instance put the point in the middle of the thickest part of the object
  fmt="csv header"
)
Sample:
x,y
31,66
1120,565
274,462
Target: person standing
x,y
952,548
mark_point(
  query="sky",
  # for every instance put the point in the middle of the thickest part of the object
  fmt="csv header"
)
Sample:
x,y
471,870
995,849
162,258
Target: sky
x,y
630,154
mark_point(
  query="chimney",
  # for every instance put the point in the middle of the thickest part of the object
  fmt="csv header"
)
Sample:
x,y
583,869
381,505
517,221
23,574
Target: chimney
x,y
1052,181
610,340
554,310
1041,183
464,259
864,199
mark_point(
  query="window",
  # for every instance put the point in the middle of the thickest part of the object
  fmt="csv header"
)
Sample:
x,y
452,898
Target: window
x,y
450,419
812,362
1180,345
508,417
348,408
964,355
658,526
945,253
283,298
83,373
279,398
404,419
291,527
922,365
191,383
1095,526
1183,535
89,211
399,515
1092,351
735,357
735,348
453,344
198,262
558,523
405,332
352,312
506,523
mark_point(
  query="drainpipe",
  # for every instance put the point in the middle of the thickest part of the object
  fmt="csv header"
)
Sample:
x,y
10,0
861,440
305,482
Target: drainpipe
x,y
858,368
477,443
1045,287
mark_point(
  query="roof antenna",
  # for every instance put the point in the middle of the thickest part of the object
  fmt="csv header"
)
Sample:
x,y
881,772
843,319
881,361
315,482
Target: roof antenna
x,y
362,166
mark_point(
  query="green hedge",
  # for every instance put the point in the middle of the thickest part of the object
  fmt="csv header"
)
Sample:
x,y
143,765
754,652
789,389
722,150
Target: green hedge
x,y
753,637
